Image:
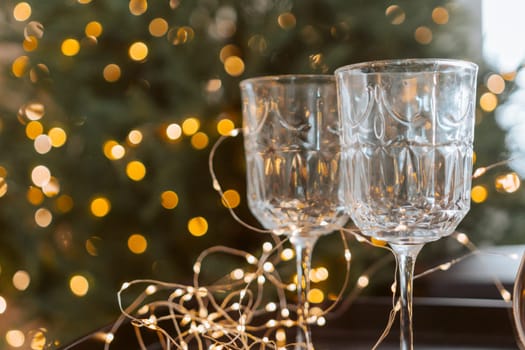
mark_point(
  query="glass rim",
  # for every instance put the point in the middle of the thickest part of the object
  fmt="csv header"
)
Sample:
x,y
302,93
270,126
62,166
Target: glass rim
x,y
287,77
450,64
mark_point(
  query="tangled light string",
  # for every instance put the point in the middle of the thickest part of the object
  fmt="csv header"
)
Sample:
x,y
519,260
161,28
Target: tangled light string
x,y
247,308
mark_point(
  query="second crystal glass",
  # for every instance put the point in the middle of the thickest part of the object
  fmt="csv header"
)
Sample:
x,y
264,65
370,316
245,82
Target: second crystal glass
x,y
291,137
407,133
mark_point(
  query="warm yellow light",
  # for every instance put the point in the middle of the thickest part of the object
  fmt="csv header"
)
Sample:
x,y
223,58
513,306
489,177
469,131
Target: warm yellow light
x,y
229,50
181,35
79,285
43,217
15,338
395,14
70,47
22,11
52,188
225,126
3,305
19,66
138,7
111,73
440,15
315,296
173,131
34,111
33,129
158,27
287,20
34,195
496,83
38,340
169,199
137,243
58,136
287,254
135,137
3,187
198,226
231,199
118,152
30,43
234,66
21,280
200,140
42,144
136,170
100,206
488,102
94,29
320,274
64,203
138,51
213,85
423,35
190,126
479,194
84,1
108,147
40,175
508,183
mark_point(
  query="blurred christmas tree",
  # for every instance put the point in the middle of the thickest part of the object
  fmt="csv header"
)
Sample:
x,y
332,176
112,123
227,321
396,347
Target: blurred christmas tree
x,y
108,112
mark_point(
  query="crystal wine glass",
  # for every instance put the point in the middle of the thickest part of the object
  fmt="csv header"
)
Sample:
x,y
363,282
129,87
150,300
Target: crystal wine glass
x,y
292,147
407,134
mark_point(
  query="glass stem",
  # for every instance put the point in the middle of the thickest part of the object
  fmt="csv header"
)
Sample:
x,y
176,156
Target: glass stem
x,y
303,249
406,255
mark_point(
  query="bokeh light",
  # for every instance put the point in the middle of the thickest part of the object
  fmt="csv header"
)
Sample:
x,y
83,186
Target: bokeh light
x,y
111,73
225,126
423,35
158,27
508,183
496,83
15,338
169,199
138,51
198,226
34,195
21,280
136,170
64,203
42,144
3,305
228,51
479,194
190,126
30,43
22,11
200,140
135,137
40,175
52,188
19,66
137,243
395,14
138,7
93,29
108,148
34,111
100,206
287,20
79,285
234,66
173,131
43,217
315,296
231,199
118,152
440,15
488,102
58,136
33,129
70,47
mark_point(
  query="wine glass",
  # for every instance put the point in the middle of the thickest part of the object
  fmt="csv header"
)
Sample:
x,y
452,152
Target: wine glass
x,y
292,147
407,134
